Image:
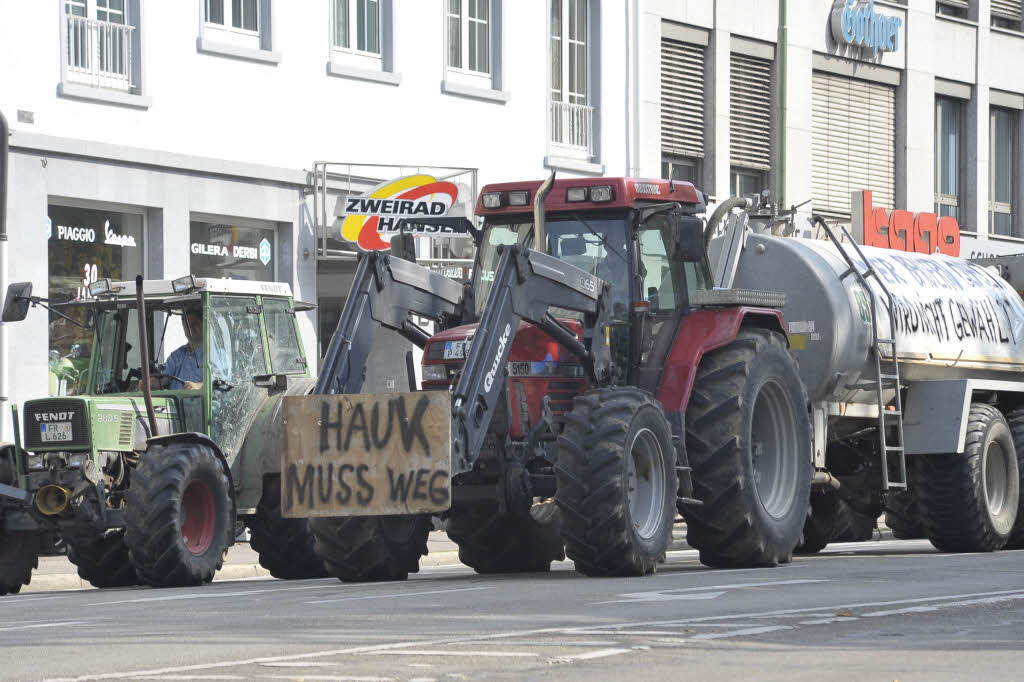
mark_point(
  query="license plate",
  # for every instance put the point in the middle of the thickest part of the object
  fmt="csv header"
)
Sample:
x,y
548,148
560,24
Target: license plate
x,y
55,432
456,350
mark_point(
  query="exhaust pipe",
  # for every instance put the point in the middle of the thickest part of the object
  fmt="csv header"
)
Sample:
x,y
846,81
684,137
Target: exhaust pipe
x,y
52,499
540,231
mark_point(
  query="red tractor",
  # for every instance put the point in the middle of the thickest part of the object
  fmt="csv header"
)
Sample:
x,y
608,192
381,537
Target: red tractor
x,y
596,386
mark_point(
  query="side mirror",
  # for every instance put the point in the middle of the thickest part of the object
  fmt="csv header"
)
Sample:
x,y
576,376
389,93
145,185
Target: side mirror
x,y
19,296
690,248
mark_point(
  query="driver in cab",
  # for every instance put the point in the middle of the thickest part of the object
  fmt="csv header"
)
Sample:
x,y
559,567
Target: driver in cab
x,y
186,362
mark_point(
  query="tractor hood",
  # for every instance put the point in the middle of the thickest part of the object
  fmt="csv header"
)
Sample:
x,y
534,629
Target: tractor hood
x,y
115,422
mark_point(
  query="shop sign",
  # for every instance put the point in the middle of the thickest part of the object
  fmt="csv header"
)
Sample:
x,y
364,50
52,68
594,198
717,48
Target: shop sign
x,y
88,234
902,230
235,251
371,220
858,24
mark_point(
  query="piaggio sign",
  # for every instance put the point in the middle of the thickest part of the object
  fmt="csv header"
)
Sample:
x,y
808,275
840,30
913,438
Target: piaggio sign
x,y
902,230
371,219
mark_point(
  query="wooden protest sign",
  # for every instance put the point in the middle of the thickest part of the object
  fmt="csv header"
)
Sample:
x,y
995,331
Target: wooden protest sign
x,y
366,454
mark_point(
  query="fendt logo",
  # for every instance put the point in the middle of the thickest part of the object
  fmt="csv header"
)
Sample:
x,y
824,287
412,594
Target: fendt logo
x,y
502,341
54,416
372,219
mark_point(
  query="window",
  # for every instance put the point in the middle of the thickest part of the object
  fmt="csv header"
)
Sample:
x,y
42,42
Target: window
x,y
233,251
662,273
238,28
750,123
357,25
469,35
1007,14
572,116
243,15
948,156
682,108
1002,172
679,168
100,46
743,182
285,356
952,8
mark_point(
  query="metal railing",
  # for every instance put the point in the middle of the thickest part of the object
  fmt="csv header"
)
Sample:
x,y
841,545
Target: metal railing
x,y
572,128
99,53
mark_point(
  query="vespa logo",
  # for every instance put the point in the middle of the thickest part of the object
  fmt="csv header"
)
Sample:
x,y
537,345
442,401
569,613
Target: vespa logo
x,y
864,27
502,341
54,416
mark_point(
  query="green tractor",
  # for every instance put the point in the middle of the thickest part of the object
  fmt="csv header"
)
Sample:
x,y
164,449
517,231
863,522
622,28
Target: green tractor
x,y
148,473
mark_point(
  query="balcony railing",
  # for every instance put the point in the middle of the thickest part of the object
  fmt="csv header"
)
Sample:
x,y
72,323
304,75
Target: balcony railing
x,y
572,129
99,53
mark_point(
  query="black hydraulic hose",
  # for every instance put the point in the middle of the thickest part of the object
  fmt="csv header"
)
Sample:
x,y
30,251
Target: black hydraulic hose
x,y
716,217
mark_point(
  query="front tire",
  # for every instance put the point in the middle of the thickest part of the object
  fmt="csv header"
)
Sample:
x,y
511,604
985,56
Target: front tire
x,y
18,558
969,501
1016,421
285,546
371,548
494,542
179,515
749,442
104,561
616,483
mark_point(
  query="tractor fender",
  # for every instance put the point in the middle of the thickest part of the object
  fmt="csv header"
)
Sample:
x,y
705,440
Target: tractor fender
x,y
260,453
201,439
703,331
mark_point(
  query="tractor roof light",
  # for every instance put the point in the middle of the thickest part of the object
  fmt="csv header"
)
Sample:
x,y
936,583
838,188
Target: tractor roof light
x,y
186,284
575,194
492,200
519,198
104,287
601,193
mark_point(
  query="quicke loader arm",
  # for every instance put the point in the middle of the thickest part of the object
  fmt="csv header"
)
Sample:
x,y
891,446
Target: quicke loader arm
x,y
385,291
526,283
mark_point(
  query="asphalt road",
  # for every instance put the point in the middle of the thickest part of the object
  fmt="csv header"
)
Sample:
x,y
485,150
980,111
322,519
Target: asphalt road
x,y
866,611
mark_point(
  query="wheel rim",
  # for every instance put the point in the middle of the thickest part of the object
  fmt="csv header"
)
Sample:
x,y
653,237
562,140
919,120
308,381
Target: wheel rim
x,y
772,448
645,484
198,517
997,477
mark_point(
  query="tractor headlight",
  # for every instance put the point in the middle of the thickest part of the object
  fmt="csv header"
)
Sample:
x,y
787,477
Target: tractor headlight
x,y
435,373
34,461
518,198
77,459
492,200
576,194
601,193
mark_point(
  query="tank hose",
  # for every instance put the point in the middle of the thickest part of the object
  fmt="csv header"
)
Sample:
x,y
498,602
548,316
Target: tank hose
x,y
716,217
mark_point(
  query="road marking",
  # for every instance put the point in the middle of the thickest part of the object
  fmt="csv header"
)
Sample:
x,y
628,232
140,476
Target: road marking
x,y
699,592
206,593
445,652
332,678
826,621
193,677
398,594
600,653
946,605
742,632
54,624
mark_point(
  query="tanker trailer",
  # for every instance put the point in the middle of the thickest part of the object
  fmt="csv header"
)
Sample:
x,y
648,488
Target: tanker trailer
x,y
913,367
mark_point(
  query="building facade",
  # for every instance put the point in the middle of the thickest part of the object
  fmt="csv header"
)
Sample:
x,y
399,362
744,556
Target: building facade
x,y
221,137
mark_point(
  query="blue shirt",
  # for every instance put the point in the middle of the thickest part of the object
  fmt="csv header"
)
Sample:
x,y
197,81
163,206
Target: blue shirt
x,y
186,364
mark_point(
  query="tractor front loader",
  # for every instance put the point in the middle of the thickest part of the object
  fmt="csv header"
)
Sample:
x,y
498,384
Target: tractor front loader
x,y
586,387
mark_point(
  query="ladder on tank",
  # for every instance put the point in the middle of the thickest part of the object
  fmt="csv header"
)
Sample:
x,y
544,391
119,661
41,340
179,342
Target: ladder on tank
x,y
890,417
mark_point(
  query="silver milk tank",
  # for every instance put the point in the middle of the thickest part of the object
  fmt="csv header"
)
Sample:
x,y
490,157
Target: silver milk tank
x,y
953,319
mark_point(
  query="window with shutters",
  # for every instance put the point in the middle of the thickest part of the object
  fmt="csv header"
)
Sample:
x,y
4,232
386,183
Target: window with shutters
x,y
1003,168
953,8
852,143
1007,14
570,108
682,109
949,141
750,123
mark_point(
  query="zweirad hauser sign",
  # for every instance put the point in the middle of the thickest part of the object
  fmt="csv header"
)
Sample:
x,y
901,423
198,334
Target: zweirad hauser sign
x,y
366,454
372,219
857,24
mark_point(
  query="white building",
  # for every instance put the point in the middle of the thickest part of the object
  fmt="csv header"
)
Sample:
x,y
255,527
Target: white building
x,y
178,126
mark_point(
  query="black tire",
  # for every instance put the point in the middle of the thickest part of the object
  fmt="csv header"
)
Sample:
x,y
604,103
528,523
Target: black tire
x,y
179,515
616,482
17,560
819,527
104,561
747,397
1016,421
964,505
285,546
903,515
371,548
851,525
493,542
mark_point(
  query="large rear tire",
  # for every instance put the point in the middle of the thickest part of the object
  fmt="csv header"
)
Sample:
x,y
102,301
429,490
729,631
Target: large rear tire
x,y
969,501
819,526
371,548
749,442
851,525
616,482
104,561
285,546
179,515
493,542
1016,421
18,558
903,515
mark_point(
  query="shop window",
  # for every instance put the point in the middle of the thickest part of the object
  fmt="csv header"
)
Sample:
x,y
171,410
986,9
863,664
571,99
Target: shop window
x,y
84,245
948,156
237,28
231,251
285,356
1002,172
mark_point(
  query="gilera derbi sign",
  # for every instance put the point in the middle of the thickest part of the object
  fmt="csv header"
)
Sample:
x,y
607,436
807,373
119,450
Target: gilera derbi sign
x,y
371,220
857,24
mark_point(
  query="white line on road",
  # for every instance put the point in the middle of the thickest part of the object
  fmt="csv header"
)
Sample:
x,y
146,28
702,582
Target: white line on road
x,y
946,605
446,652
193,677
398,594
600,653
207,593
55,624
740,633
689,592
332,678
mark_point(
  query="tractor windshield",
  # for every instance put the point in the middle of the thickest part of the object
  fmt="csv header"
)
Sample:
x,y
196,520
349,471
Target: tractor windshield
x,y
117,363
594,244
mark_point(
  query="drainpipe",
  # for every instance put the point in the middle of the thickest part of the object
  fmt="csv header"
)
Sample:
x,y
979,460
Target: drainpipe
x,y
780,172
634,54
5,431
